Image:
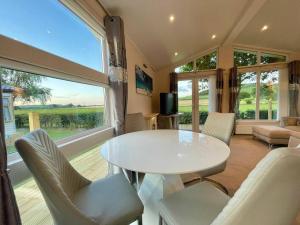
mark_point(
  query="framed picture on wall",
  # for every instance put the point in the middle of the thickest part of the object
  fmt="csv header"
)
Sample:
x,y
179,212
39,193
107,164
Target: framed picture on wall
x,y
144,83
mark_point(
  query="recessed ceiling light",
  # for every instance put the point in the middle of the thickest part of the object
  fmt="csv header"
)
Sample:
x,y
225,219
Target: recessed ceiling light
x,y
176,53
172,18
213,36
264,28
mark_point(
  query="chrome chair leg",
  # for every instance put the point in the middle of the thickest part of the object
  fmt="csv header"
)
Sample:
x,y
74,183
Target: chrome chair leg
x,y
140,220
160,220
217,184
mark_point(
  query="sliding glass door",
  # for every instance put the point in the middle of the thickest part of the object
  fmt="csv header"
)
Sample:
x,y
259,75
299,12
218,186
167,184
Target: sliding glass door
x,y
195,100
203,90
185,104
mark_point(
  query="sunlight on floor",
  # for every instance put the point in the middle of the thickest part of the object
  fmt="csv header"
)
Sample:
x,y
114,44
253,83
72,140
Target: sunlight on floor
x,y
33,208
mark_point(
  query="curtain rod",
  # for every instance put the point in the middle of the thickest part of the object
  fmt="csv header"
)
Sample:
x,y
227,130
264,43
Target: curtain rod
x,y
104,9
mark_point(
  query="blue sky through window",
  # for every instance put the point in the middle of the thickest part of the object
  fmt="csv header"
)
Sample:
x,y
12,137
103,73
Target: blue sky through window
x,y
49,26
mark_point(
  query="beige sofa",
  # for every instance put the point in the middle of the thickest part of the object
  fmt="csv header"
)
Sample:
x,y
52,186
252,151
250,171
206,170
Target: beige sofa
x,y
274,135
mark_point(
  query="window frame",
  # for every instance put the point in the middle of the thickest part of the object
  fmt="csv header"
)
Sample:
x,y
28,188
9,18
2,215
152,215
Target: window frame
x,y
194,59
258,70
259,54
19,56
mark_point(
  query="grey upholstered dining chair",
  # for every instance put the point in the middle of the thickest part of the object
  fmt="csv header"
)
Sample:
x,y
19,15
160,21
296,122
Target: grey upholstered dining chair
x,y
269,196
72,199
218,125
135,122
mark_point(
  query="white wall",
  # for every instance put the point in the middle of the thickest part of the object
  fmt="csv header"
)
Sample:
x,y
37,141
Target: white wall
x,y
137,102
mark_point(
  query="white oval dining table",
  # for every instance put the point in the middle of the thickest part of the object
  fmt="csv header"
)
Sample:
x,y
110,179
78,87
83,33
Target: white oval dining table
x,y
163,155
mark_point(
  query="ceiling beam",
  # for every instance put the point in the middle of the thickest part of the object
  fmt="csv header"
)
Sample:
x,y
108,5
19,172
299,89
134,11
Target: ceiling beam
x,y
248,14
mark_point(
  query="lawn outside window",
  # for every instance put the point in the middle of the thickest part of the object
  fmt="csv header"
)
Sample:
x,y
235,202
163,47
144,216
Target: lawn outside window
x,y
63,108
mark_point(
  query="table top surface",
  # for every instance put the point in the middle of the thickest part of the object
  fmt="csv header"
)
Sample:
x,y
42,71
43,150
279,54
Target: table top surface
x,y
165,151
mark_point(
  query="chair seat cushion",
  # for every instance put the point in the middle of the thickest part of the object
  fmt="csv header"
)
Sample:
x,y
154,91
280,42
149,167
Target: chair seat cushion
x,y
110,201
272,131
196,205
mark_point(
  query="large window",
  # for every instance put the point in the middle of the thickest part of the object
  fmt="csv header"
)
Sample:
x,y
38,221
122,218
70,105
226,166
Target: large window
x,y
251,58
206,62
63,108
258,95
268,101
244,58
49,26
271,58
246,103
189,67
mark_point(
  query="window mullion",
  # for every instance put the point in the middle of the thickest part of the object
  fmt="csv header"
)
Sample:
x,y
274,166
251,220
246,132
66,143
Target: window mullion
x,y
257,94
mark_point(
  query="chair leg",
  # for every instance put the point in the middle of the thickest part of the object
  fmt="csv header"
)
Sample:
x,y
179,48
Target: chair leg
x,y
140,220
160,220
221,186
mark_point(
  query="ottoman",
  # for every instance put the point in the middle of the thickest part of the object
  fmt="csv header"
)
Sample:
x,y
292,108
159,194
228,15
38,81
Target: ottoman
x,y
271,134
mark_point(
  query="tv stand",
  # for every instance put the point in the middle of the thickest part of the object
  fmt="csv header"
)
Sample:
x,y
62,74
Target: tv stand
x,y
168,121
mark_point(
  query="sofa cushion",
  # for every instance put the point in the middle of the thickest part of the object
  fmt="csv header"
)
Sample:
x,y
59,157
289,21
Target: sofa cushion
x,y
272,131
292,121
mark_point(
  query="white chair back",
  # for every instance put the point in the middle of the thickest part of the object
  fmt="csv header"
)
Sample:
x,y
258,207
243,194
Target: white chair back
x,y
135,122
270,195
219,125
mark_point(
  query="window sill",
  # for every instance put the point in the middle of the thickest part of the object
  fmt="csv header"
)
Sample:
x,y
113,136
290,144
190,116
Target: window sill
x,y
64,143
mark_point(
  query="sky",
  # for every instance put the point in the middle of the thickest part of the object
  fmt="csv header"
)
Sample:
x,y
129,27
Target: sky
x,y
50,26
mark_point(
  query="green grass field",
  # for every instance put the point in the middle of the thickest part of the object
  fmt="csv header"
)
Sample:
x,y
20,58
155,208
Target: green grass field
x,y
54,133
70,110
243,107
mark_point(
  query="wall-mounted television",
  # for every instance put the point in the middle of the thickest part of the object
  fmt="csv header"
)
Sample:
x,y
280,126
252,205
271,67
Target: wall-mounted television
x,y
168,103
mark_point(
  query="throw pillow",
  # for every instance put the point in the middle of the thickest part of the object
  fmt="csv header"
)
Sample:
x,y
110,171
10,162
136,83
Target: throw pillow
x,y
292,121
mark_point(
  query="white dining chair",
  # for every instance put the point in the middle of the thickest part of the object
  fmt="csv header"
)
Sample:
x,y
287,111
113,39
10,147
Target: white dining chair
x,y
71,198
220,126
269,196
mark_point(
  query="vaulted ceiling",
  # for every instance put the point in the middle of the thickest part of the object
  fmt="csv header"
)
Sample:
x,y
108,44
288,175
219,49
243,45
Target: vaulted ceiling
x,y
232,21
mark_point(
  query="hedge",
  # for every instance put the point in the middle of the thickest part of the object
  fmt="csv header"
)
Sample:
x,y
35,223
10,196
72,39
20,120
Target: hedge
x,y
186,117
56,120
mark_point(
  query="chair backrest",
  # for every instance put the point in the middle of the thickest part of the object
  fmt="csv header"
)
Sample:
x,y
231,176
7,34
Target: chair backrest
x,y
56,178
164,122
135,122
270,195
219,125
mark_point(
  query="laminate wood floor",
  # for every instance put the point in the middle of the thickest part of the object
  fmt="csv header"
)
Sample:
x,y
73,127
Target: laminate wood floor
x,y
245,154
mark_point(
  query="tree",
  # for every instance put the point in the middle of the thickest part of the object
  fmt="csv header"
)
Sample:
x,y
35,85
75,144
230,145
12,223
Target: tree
x,y
186,68
29,84
244,95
